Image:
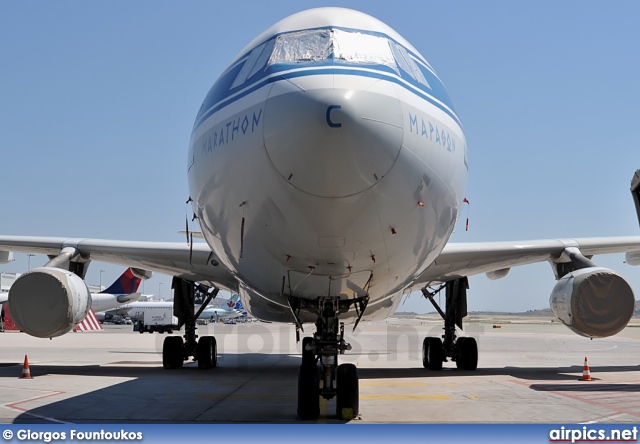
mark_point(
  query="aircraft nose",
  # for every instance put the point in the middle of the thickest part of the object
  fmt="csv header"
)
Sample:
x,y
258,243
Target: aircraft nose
x,y
332,142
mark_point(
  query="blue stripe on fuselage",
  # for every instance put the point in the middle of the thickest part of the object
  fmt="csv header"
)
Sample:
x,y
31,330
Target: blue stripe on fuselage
x,y
221,94
221,102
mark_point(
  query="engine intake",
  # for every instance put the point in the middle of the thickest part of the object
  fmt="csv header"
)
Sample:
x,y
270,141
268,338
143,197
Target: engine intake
x,y
594,302
48,302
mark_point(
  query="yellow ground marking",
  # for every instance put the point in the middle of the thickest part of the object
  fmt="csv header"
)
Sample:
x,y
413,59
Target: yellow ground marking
x,y
322,418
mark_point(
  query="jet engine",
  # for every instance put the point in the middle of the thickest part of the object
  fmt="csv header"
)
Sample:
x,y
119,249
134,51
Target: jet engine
x,y
594,302
48,302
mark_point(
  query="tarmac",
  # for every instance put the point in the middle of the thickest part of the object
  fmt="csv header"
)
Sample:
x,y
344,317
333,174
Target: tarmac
x,y
528,372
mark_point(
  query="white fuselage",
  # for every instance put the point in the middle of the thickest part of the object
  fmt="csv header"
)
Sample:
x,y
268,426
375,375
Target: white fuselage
x,y
338,176
105,301
219,313
99,301
137,309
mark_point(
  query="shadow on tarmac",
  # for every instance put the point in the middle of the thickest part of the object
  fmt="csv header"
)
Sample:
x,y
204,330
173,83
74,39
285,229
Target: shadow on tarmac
x,y
245,388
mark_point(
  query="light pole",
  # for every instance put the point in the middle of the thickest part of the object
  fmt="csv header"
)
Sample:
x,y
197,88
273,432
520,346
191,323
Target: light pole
x,y
29,260
101,271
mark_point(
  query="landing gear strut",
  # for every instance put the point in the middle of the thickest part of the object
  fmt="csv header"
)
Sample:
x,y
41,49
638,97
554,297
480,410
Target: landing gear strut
x,y
319,373
464,350
175,350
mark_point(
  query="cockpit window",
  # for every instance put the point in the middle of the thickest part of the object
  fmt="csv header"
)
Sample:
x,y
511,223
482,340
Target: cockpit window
x,y
318,45
261,61
302,46
356,47
256,60
407,63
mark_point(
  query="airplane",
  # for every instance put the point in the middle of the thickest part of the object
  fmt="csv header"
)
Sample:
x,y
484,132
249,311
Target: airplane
x,y
327,169
231,309
122,291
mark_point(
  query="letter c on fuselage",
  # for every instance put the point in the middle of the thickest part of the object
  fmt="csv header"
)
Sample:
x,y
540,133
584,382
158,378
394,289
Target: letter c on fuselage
x,y
329,121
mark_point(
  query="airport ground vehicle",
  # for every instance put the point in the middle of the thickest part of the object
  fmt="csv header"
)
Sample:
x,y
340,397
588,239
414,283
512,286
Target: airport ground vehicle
x,y
158,320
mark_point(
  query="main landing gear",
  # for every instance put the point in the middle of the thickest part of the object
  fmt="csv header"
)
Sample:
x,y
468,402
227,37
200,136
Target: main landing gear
x,y
175,349
464,350
319,374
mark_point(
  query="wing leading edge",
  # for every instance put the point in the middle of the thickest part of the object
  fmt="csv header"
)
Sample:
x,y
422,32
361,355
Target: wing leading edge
x,y
197,263
459,260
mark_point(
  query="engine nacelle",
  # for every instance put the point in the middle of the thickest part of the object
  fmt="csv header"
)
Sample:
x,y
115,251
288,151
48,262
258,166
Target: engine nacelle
x,y
48,302
594,302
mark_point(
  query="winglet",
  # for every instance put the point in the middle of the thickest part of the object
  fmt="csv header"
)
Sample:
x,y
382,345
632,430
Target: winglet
x,y
6,257
635,192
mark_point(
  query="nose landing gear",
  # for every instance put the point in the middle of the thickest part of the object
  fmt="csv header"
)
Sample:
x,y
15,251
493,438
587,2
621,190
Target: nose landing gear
x,y
319,373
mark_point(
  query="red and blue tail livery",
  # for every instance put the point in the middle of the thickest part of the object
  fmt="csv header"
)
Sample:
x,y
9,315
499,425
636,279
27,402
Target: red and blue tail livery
x,y
127,283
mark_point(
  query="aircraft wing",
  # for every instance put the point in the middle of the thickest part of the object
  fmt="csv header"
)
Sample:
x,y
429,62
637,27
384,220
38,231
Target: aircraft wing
x,y
466,259
197,264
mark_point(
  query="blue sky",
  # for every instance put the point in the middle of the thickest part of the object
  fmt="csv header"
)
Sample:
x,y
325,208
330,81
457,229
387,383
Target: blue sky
x,y
97,101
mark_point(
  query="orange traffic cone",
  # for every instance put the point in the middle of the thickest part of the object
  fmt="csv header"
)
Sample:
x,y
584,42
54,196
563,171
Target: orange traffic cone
x,y
586,373
26,373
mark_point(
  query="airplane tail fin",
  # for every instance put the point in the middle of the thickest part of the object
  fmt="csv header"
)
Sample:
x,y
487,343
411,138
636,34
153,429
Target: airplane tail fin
x,y
239,306
231,304
127,283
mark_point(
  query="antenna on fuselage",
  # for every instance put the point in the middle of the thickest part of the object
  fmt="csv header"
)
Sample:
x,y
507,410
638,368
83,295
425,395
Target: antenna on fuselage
x,y
188,233
465,200
635,192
